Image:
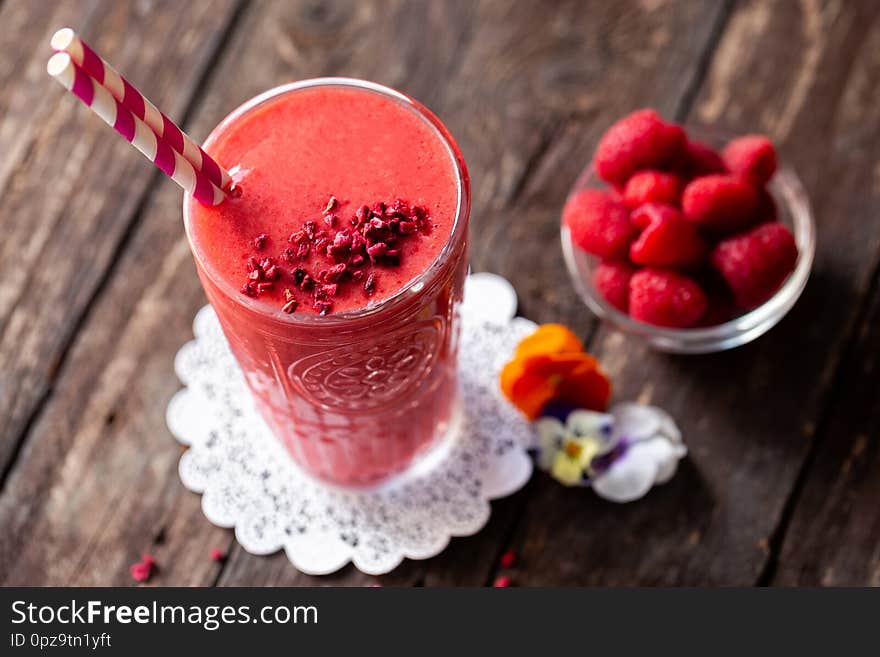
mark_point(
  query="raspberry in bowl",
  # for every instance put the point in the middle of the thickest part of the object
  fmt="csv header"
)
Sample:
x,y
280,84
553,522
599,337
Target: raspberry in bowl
x,y
691,239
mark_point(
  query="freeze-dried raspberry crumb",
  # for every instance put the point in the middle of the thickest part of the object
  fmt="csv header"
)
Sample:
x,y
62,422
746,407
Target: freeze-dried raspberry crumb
x,y
508,559
323,307
143,569
336,272
260,241
328,290
377,250
218,555
502,582
374,240
140,572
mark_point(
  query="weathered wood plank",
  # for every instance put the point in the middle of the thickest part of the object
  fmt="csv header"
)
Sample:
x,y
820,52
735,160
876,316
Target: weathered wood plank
x,y
584,68
71,189
834,535
87,529
58,244
96,483
806,74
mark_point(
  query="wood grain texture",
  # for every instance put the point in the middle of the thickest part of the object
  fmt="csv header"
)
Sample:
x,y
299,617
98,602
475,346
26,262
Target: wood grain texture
x,y
592,67
70,189
88,531
526,88
834,537
68,206
803,73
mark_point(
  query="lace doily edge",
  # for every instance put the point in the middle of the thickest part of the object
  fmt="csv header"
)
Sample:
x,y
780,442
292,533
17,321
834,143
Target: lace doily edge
x,y
507,475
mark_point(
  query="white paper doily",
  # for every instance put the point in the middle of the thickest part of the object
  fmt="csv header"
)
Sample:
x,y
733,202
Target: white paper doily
x,y
248,481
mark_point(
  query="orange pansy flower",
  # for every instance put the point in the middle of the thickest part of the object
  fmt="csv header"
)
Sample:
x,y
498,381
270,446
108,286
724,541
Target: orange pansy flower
x,y
549,339
551,365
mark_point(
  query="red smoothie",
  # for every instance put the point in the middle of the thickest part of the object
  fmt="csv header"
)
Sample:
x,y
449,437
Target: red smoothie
x,y
336,274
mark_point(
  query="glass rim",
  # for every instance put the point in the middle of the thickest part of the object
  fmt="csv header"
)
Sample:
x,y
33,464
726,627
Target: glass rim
x,y
456,235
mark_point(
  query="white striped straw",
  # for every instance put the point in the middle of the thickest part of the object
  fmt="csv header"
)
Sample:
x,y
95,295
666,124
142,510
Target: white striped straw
x,y
66,40
116,115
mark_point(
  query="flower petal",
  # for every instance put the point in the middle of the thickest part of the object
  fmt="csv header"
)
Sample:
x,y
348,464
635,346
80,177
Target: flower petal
x,y
644,465
635,421
627,479
588,423
587,386
566,471
668,427
525,384
667,455
549,339
549,431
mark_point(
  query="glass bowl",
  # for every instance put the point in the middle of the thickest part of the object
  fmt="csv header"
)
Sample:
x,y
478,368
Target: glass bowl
x,y
793,210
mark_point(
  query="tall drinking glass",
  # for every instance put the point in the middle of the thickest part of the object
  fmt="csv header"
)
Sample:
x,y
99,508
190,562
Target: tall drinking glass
x,y
359,394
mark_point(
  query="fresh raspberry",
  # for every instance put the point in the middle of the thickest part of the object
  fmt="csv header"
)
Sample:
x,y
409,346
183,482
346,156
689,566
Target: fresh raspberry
x,y
667,238
652,186
756,263
641,140
700,159
665,298
720,203
611,280
752,157
598,224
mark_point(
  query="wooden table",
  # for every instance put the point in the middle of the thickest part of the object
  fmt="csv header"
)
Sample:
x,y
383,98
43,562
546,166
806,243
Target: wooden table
x,y
98,290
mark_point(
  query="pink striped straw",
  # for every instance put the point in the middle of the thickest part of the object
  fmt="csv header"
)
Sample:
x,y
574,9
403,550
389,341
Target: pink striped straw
x,y
116,115
66,40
